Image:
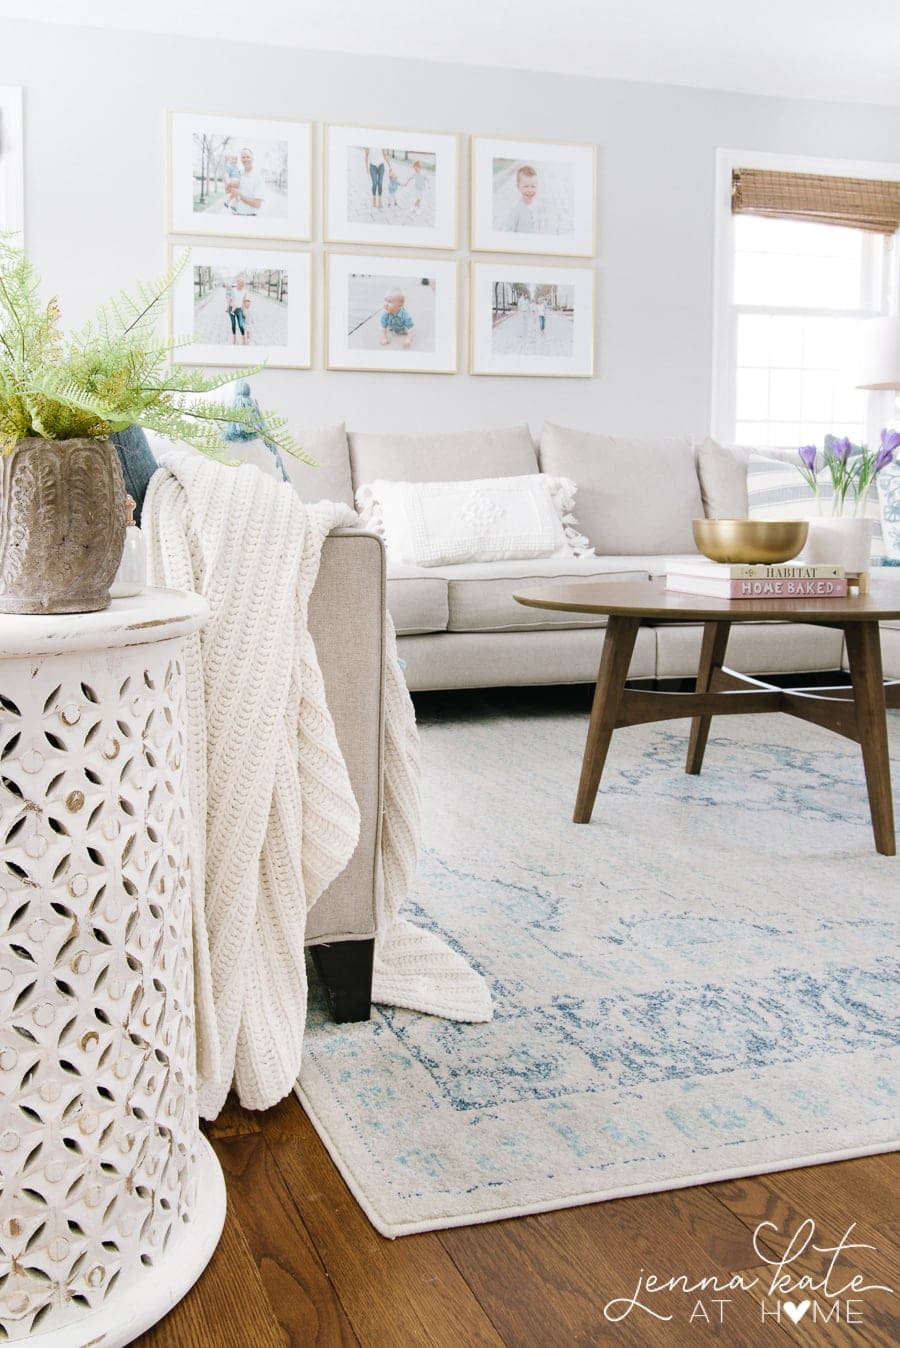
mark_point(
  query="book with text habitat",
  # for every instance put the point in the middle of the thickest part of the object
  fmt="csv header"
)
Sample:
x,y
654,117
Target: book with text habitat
x,y
756,570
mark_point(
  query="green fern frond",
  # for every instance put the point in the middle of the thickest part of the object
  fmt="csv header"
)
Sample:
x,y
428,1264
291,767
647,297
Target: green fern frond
x,y
113,372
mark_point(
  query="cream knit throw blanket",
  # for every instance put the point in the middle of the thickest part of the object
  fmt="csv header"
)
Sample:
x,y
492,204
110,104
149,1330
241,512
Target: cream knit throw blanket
x,y
273,816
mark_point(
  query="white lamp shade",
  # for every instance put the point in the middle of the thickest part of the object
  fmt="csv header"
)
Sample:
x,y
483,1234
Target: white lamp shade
x,y
878,354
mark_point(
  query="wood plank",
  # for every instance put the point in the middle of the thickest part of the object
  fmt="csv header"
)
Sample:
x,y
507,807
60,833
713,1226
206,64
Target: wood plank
x,y
575,1262
302,1297
405,1292
228,1293
873,1322
234,1120
834,1197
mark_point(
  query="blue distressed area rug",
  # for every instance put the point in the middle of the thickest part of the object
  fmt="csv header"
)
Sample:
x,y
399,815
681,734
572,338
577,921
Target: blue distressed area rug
x,y
700,984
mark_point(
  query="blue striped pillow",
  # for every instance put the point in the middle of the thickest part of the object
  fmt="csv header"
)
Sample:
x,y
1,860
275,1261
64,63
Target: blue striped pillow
x,y
777,490
888,481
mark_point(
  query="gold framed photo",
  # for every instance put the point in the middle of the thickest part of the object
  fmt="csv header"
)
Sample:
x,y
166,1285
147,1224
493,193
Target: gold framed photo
x,y
393,314
389,187
533,197
240,177
532,320
244,306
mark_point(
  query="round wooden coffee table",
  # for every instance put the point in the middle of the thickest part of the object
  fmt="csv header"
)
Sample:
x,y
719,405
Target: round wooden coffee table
x,y
857,711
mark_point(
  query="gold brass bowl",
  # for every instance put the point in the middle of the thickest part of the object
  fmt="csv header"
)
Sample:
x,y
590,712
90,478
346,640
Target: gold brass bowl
x,y
750,540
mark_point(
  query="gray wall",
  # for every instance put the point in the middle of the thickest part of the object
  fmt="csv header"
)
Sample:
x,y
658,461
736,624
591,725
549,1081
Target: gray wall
x,y
96,202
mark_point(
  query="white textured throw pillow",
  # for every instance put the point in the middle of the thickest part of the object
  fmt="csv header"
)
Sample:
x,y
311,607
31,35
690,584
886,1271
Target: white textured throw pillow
x,y
485,520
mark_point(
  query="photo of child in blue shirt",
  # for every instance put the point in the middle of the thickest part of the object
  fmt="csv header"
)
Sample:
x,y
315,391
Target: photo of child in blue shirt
x,y
396,319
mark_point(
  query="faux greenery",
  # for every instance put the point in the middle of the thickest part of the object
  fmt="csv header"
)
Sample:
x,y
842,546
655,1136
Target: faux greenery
x,y
112,373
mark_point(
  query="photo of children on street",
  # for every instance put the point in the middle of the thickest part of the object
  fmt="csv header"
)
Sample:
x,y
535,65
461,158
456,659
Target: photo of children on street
x,y
533,197
532,320
391,187
397,312
233,176
241,307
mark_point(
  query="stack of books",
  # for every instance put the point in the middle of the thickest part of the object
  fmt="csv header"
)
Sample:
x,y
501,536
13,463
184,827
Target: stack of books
x,y
756,580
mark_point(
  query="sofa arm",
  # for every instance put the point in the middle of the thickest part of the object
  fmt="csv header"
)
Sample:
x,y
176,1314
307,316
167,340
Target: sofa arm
x,y
347,618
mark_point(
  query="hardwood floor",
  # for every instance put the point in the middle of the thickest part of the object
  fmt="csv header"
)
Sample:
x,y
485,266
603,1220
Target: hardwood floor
x,y
299,1264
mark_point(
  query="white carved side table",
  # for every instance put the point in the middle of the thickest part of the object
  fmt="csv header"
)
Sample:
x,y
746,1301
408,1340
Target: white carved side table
x,y
111,1201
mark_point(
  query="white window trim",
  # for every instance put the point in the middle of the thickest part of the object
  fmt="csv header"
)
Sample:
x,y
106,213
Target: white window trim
x,y
724,355
12,160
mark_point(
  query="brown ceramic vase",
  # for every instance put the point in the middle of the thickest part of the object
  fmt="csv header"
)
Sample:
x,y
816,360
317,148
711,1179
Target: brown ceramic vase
x,y
62,525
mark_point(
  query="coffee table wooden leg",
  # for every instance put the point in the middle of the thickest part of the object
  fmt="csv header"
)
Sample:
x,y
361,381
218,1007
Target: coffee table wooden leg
x,y
864,656
712,657
618,645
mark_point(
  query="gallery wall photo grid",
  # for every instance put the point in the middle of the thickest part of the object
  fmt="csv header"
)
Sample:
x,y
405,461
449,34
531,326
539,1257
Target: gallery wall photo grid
x,y
240,177
530,319
533,196
243,306
390,187
391,313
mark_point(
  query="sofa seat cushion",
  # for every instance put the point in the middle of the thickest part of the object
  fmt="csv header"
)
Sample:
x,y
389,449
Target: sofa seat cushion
x,y
634,496
480,594
454,456
417,599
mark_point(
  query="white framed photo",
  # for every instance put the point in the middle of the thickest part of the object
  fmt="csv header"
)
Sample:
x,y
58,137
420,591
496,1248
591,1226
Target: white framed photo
x,y
533,197
12,163
529,320
395,314
243,306
384,186
239,177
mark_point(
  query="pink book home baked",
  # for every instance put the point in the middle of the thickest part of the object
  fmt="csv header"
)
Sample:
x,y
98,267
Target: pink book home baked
x,y
814,587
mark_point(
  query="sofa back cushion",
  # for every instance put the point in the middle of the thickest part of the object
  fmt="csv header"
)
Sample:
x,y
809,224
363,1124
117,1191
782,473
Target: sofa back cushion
x,y
331,480
634,496
722,470
454,456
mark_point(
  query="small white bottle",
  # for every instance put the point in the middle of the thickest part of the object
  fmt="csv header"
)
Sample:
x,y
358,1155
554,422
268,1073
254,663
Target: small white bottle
x,y
131,576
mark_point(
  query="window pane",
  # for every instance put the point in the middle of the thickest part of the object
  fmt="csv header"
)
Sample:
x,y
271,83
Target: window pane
x,y
787,342
749,278
753,339
784,394
751,433
752,394
818,342
789,263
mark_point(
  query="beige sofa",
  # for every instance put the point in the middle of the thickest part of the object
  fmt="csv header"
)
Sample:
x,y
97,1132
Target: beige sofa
x,y
459,626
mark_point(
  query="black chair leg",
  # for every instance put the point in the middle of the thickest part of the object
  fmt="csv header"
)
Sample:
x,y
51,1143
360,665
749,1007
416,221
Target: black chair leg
x,y
345,968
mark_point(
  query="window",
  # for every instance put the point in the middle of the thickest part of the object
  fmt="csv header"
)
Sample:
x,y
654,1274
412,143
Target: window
x,y
790,296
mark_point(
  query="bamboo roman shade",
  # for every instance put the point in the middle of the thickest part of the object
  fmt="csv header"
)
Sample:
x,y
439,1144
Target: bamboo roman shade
x,y
857,203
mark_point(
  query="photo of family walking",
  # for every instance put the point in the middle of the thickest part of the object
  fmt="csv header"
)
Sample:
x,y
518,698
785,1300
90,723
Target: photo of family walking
x,y
242,307
532,320
531,196
239,176
389,186
396,316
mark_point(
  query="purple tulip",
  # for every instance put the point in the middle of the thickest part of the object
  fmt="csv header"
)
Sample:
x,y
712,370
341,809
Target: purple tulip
x,y
808,454
841,448
890,440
